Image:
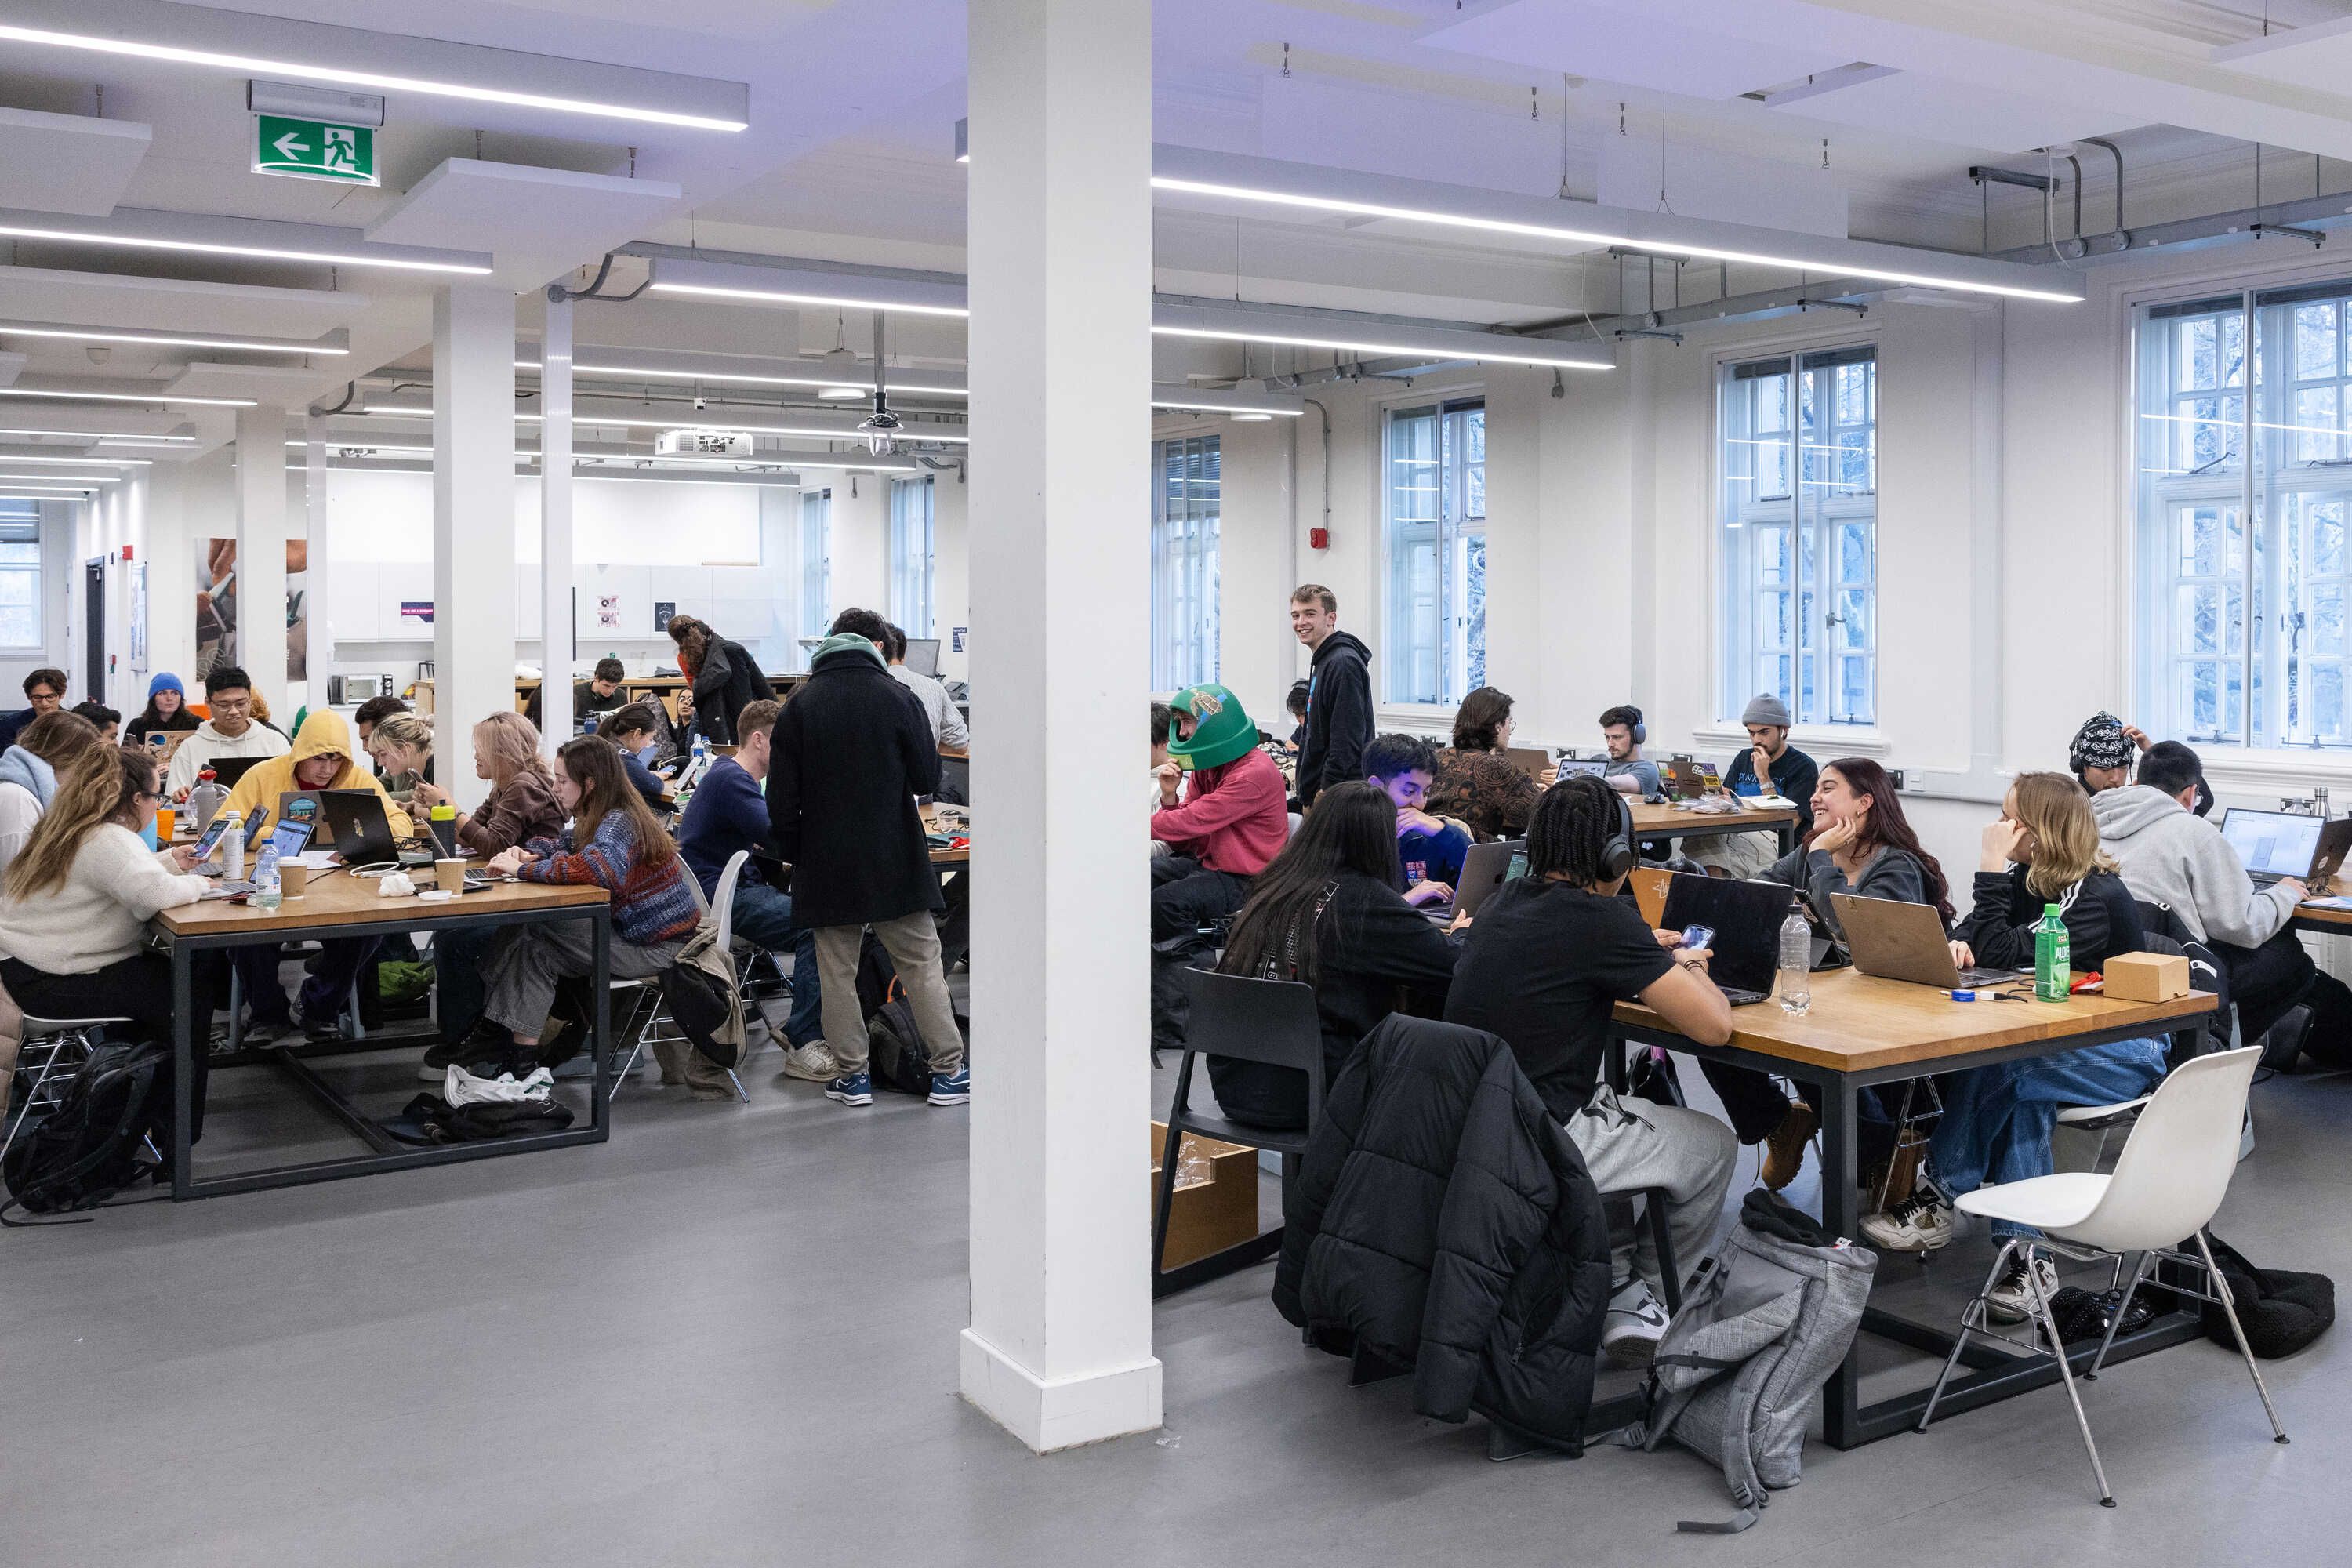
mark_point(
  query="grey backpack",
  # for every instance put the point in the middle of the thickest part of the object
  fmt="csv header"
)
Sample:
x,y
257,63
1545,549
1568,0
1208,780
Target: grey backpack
x,y
1760,1329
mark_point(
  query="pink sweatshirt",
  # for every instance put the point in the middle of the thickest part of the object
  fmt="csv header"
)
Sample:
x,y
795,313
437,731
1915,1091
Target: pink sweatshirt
x,y
1235,818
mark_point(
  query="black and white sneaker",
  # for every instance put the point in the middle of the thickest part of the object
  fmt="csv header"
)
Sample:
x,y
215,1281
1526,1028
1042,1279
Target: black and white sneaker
x,y
2011,1300
1923,1222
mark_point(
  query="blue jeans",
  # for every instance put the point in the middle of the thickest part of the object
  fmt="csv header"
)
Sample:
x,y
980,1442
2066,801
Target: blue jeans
x,y
764,917
326,985
1997,1121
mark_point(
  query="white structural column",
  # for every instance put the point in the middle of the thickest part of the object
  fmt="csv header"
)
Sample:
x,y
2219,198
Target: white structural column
x,y
1059,1349
473,523
319,565
261,554
555,524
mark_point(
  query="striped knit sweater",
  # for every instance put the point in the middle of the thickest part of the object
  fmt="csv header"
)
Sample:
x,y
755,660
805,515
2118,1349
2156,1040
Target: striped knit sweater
x,y
651,904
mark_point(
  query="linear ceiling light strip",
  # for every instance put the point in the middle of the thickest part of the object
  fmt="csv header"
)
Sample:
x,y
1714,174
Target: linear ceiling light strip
x,y
259,252
165,339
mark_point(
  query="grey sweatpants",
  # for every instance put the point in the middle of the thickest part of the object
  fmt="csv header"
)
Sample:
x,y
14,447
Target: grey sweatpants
x,y
1632,1143
526,962
913,943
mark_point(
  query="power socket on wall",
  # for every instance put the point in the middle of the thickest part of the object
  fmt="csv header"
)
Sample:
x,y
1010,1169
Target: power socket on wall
x,y
1896,775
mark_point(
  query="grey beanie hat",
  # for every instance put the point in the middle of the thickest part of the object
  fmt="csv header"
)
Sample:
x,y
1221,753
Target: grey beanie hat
x,y
1765,709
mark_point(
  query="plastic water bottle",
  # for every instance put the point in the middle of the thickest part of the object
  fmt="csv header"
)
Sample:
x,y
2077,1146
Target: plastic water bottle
x,y
206,798
1794,983
233,848
2053,967
267,893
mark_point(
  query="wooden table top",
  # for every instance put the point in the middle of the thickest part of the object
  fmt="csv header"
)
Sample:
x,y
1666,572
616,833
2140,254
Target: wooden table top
x,y
335,898
2335,920
1663,819
1859,1021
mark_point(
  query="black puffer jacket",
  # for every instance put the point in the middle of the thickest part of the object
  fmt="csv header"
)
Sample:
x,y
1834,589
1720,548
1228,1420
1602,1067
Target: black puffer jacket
x,y
1443,1221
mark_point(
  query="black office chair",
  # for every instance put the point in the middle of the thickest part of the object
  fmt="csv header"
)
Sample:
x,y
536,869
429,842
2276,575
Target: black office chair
x,y
1272,1022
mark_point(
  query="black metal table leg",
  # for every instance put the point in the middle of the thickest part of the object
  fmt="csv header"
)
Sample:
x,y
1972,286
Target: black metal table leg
x,y
600,1094
1841,1395
184,1068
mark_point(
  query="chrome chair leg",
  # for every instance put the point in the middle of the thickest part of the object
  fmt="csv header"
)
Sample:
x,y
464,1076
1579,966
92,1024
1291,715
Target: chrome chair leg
x,y
33,1095
2123,1304
2049,1323
2000,1260
2229,1310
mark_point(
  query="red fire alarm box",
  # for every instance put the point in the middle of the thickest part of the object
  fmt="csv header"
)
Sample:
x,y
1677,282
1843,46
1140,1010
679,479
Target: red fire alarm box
x,y
1318,539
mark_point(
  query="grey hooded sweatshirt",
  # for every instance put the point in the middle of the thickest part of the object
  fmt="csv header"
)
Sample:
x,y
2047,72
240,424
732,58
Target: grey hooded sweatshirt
x,y
2170,856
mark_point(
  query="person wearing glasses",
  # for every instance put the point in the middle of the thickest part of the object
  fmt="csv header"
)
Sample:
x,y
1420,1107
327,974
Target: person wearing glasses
x,y
231,731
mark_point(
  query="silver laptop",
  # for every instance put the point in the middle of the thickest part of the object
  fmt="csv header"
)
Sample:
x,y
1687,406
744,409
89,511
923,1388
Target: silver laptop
x,y
1907,942
1487,867
2275,844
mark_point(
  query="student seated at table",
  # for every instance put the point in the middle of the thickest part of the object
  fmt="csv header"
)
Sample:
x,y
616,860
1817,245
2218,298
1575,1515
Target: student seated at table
x,y
1770,766
74,908
400,747
1330,912
1861,845
1294,703
1474,781
635,727
28,774
371,712
1623,732
2170,856
320,759
44,692
597,695
1229,822
1430,851
1163,727
233,731
166,710
107,722
520,807
1550,955
616,842
1998,1119
949,731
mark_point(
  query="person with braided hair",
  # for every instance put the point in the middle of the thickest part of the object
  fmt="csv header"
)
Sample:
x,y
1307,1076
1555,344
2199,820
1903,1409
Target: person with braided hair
x,y
1550,955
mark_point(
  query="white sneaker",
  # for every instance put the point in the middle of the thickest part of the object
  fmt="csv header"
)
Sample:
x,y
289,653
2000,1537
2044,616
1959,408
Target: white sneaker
x,y
1920,1223
1635,1323
813,1061
2012,1300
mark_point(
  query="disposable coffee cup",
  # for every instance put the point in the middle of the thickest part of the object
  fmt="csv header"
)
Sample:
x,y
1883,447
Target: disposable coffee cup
x,y
450,875
293,878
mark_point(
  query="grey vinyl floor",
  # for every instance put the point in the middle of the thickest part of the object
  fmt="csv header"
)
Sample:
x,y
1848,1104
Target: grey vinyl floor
x,y
727,1336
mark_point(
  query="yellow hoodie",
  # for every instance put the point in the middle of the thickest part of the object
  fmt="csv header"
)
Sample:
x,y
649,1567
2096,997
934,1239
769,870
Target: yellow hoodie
x,y
323,730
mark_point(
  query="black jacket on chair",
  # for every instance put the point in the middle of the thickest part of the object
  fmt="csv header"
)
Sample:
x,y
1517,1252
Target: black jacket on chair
x,y
1443,1221
852,752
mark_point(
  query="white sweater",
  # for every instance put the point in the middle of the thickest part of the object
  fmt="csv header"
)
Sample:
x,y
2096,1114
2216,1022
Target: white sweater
x,y
97,918
19,812
207,745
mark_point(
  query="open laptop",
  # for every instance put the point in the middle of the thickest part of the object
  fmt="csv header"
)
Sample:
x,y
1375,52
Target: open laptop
x,y
362,834
923,656
289,838
1571,766
228,771
1907,942
1682,779
1746,918
2275,844
1529,760
1487,867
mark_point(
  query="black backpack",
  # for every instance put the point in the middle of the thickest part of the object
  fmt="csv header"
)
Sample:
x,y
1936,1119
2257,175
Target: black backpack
x,y
895,1052
85,1151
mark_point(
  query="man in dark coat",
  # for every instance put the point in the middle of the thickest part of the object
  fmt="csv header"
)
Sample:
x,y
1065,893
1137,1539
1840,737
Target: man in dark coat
x,y
851,751
1339,695
1443,1222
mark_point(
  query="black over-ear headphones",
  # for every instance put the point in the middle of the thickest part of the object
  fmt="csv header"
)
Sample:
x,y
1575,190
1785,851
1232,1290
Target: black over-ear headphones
x,y
1641,732
1618,856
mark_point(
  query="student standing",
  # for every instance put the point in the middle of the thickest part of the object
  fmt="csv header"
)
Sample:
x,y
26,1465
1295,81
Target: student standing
x,y
45,690
722,679
1339,694
1550,956
1475,781
1429,851
1770,766
166,710
852,750
1623,731
1330,912
231,731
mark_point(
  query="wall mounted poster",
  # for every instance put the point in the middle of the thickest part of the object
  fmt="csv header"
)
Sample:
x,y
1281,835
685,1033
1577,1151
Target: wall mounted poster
x,y
664,610
608,612
216,606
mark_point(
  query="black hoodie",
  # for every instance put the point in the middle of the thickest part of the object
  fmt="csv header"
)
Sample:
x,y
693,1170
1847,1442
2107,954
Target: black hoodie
x,y
1339,716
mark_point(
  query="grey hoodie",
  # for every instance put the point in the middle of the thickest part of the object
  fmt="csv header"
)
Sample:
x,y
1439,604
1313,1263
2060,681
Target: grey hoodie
x,y
2170,856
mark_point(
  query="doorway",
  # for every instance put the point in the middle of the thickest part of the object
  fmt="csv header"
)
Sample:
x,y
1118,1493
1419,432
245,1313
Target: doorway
x,y
94,625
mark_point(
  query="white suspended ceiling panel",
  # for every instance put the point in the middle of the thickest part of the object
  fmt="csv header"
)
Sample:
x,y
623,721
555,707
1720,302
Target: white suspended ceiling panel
x,y
12,365
1629,44
2318,57
67,163
165,304
1906,104
1705,182
279,384
468,204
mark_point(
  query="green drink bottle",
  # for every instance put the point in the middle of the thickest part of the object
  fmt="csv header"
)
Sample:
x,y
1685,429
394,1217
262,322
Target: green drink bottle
x,y
2054,970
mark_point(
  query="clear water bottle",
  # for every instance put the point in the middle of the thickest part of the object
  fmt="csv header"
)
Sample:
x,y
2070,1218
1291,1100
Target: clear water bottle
x,y
267,894
1794,983
206,798
233,848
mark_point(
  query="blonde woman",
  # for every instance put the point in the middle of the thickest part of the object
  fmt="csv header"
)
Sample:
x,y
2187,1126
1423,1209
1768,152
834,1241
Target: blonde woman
x,y
401,746
75,904
2044,851
521,804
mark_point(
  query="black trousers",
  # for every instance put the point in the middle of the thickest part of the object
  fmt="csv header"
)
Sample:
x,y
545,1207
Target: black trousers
x,y
138,988
1185,897
2266,981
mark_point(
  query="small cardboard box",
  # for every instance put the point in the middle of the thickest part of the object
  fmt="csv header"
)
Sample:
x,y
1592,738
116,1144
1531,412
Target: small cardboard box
x,y
2147,976
1208,1216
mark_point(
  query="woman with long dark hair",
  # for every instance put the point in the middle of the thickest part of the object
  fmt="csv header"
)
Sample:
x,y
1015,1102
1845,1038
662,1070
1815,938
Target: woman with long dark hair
x,y
1862,846
1475,781
722,679
1329,910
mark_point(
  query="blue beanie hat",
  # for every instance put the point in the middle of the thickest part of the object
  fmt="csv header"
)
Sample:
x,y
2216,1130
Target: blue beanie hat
x,y
166,681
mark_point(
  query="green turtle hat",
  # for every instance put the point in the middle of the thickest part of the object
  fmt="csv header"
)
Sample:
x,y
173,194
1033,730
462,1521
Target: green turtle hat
x,y
1221,730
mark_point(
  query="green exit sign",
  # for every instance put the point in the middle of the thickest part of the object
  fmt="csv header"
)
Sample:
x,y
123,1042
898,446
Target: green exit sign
x,y
314,150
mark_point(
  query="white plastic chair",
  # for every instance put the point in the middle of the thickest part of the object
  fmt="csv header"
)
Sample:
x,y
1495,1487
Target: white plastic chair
x,y
68,1043
719,912
2169,1180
